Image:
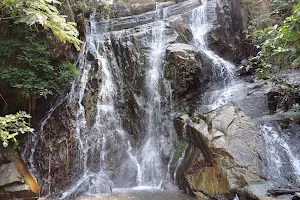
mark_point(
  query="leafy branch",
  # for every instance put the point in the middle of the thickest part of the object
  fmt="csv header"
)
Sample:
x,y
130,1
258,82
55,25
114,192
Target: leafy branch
x,y
44,13
12,126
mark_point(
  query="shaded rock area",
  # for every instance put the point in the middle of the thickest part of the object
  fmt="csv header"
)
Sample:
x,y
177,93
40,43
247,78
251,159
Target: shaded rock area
x,y
55,151
227,38
133,7
285,94
16,181
185,70
222,153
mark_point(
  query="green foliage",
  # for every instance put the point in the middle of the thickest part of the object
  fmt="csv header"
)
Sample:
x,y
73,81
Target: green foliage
x,y
41,12
13,125
282,8
279,45
265,13
26,65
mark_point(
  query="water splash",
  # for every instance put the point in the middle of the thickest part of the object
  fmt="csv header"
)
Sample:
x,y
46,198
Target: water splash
x,y
200,26
151,164
281,158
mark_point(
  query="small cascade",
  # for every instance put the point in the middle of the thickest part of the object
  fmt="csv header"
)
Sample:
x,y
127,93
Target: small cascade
x,y
223,71
282,159
150,152
200,26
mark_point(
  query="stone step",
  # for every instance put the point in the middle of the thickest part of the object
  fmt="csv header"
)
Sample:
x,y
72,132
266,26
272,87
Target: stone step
x,y
169,10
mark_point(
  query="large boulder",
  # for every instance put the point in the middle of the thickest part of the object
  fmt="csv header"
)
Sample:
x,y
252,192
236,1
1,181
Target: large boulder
x,y
184,67
222,155
15,179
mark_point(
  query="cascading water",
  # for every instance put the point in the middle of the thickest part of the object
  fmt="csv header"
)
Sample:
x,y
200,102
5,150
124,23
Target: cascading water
x,y
106,138
150,152
200,26
282,159
222,70
109,157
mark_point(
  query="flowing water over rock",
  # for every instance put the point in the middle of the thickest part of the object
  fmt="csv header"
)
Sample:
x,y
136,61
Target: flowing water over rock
x,y
283,159
223,71
112,157
118,116
200,26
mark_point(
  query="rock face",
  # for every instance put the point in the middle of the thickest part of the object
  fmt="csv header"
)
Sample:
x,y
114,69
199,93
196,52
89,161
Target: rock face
x,y
16,181
185,69
56,151
127,44
227,38
221,155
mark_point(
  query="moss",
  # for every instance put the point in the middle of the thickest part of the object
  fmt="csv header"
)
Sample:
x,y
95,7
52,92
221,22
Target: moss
x,y
210,180
177,154
26,179
167,74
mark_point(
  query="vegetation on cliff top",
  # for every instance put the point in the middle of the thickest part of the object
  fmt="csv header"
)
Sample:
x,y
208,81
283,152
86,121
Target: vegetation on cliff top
x,y
278,44
27,67
43,13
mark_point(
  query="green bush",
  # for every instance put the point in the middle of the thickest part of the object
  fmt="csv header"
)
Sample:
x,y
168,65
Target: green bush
x,y
280,44
40,13
26,65
13,125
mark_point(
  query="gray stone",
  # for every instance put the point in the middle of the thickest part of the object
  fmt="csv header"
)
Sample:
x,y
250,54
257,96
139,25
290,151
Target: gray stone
x,y
185,70
225,141
17,188
257,190
9,174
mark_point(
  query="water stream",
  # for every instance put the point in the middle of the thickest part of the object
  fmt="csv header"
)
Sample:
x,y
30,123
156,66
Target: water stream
x,y
113,159
282,157
110,157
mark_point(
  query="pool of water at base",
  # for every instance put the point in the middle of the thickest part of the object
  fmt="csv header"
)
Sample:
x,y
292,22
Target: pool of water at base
x,y
141,194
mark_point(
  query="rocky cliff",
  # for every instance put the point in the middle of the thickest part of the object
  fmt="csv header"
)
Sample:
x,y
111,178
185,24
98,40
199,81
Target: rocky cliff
x,y
140,71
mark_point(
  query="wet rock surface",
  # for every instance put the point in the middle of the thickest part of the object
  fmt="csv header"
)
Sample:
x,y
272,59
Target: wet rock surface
x,y
185,69
56,151
16,181
227,38
221,156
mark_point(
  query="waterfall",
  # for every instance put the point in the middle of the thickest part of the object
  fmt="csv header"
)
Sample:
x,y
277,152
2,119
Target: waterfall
x,y
116,153
223,71
150,152
282,159
200,26
111,157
